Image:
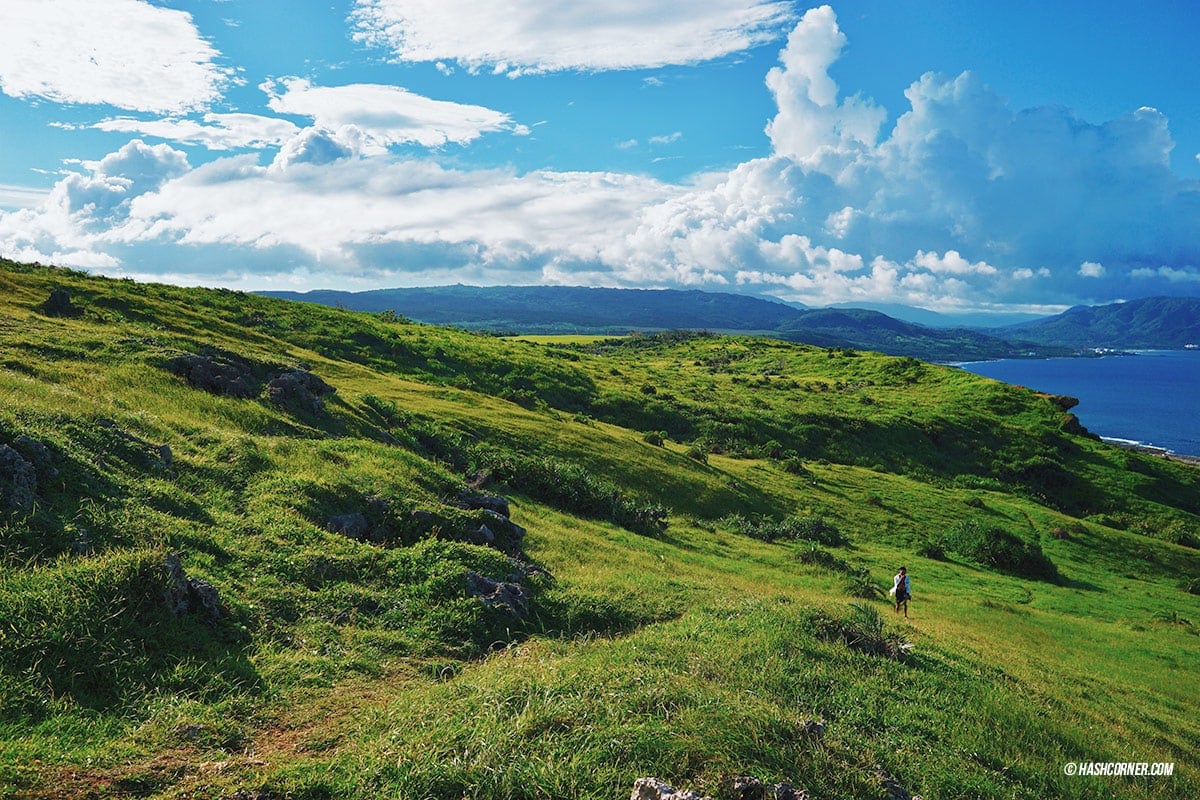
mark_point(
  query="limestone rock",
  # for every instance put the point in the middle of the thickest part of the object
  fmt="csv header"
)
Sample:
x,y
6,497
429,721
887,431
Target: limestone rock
x,y
503,595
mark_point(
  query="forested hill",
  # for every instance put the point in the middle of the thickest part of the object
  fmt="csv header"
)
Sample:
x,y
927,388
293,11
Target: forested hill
x,y
563,309
1151,322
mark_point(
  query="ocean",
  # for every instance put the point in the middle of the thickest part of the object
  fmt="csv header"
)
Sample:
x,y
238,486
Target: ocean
x,y
1151,397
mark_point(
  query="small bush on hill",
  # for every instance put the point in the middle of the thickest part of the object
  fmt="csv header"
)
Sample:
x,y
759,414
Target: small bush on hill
x,y
572,488
655,438
862,629
812,529
996,548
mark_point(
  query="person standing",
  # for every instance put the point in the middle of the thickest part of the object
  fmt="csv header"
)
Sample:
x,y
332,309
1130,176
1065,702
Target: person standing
x,y
901,590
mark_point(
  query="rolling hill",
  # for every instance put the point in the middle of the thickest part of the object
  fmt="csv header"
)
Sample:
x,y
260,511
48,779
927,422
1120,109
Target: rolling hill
x,y
580,310
262,549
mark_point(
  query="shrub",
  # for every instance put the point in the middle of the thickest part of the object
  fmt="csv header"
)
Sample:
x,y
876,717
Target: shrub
x,y
996,548
934,549
822,558
859,584
861,630
655,438
697,453
572,488
812,529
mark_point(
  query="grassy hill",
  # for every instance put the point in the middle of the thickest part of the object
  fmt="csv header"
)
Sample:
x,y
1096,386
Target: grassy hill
x,y
260,549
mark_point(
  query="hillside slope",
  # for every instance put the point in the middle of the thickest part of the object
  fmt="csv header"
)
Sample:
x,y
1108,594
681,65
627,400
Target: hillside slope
x,y
254,548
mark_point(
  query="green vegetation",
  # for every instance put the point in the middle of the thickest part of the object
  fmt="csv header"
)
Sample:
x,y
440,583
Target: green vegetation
x,y
421,562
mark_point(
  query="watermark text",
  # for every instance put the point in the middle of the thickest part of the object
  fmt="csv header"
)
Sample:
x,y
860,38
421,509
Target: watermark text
x,y
1120,768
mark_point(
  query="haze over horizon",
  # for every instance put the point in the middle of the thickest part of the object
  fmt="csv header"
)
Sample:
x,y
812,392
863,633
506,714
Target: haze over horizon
x,y
1015,157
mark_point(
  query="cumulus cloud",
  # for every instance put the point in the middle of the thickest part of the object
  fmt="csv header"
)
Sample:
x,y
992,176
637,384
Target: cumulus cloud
x,y
964,203
811,122
125,53
216,132
77,218
538,36
387,115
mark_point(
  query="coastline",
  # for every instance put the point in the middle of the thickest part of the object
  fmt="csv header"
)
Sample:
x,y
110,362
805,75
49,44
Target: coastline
x,y
1148,449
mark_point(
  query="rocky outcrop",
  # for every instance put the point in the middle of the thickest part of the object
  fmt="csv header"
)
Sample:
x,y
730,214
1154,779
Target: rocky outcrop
x,y
739,788
184,595
371,523
892,786
299,391
507,596
59,304
472,501
217,373
480,526
18,482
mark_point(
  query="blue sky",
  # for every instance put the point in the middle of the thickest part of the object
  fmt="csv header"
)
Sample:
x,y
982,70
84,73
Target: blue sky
x,y
958,156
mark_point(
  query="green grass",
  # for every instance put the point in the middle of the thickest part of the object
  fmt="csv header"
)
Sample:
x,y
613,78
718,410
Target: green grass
x,y
1056,623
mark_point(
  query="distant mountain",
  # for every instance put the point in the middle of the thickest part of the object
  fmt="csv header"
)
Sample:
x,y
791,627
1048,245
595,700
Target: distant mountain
x,y
566,309
1150,323
871,330
942,319
563,309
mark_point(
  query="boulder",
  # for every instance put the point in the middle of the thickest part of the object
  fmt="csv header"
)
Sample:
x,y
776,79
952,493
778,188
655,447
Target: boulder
x,y
511,598
751,788
186,595
299,391
37,454
892,786
353,525
490,502
58,304
18,482
216,374
654,789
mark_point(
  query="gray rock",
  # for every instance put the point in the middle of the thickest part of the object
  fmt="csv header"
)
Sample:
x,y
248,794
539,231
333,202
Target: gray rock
x,y
58,304
216,374
18,482
503,595
184,595
492,502
38,454
892,786
299,391
654,789
751,788
353,525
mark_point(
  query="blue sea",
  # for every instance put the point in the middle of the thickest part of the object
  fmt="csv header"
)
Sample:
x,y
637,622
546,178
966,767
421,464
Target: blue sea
x,y
1151,397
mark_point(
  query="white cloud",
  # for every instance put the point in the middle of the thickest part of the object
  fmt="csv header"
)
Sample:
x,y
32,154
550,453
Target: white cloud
x,y
669,138
811,122
1170,274
216,132
537,36
13,197
387,115
952,263
945,212
125,53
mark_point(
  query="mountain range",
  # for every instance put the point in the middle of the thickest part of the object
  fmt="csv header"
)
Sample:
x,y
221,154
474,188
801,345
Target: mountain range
x,y
1149,323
